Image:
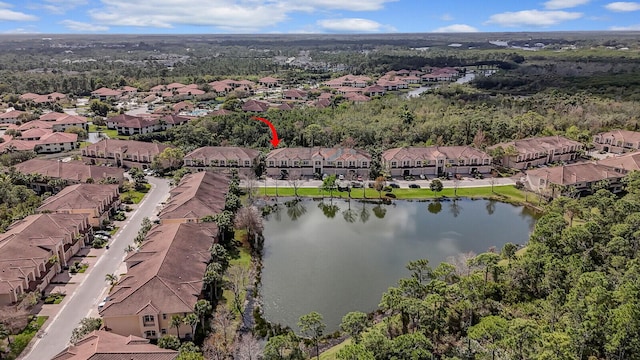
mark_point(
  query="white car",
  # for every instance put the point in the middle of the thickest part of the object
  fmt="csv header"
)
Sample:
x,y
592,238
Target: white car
x,y
103,303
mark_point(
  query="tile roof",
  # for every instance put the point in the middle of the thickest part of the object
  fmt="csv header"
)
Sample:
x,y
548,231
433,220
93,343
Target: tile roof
x,y
627,162
140,148
622,135
433,152
13,114
223,152
36,124
538,144
52,116
58,137
104,345
30,242
72,170
196,196
575,173
328,154
130,121
166,272
105,91
255,106
80,196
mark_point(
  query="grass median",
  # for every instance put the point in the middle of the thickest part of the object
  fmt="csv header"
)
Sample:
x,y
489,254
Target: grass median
x,y
505,193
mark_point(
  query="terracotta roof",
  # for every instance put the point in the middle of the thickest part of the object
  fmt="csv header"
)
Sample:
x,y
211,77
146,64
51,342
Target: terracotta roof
x,y
325,95
322,103
196,196
285,107
329,154
130,121
374,88
17,145
58,137
192,86
189,91
52,116
220,86
103,345
575,173
34,133
28,96
71,119
129,89
255,106
182,105
105,91
621,135
538,144
356,97
72,170
31,241
13,114
165,273
132,147
433,153
222,153
36,124
268,80
80,196
175,86
49,97
295,93
627,162
158,88
175,119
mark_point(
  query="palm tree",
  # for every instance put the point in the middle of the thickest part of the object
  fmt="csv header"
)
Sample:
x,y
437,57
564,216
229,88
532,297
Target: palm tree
x,y
176,321
111,278
212,278
201,309
192,320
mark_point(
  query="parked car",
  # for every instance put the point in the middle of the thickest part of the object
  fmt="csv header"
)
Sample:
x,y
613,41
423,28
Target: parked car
x,y
414,186
103,303
394,185
103,232
423,177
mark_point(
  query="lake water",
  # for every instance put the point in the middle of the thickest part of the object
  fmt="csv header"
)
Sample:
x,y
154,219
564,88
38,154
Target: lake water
x,y
332,260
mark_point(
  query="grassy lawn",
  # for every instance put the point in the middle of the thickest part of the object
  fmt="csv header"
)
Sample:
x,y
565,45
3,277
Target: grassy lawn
x,y
114,231
112,134
332,352
507,193
244,261
55,298
135,196
19,342
83,144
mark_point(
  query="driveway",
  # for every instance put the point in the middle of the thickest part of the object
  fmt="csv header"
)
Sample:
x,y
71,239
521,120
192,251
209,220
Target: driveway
x,y
87,295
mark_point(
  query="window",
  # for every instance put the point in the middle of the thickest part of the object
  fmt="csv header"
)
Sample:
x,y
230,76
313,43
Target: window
x,y
247,163
461,162
283,162
318,163
394,164
440,162
305,162
339,163
271,163
296,163
221,162
163,331
450,161
352,163
365,164
405,163
150,334
148,319
164,316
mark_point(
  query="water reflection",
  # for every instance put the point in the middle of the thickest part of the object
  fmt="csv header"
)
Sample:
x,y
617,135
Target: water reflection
x,y
434,207
314,263
295,209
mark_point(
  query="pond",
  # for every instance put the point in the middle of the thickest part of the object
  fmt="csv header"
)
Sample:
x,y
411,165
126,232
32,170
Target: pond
x,y
334,257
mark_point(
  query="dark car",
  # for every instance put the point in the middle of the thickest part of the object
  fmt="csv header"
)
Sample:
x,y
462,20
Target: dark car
x,y
394,185
414,186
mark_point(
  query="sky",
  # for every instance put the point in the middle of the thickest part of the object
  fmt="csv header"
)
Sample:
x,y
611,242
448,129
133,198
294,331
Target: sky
x,y
313,16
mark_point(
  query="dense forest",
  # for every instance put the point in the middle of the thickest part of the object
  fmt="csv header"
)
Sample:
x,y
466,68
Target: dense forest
x,y
455,115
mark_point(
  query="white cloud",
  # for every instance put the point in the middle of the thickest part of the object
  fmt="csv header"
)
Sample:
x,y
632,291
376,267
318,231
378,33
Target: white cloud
x,y
10,15
237,15
5,5
446,17
532,18
353,25
564,4
22,30
456,28
626,28
622,6
82,26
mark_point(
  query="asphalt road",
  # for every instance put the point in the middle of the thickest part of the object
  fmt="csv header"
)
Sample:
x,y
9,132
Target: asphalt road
x,y
87,294
465,182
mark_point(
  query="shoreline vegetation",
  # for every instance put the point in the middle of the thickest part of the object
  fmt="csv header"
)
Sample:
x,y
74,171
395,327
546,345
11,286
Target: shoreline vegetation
x,y
504,193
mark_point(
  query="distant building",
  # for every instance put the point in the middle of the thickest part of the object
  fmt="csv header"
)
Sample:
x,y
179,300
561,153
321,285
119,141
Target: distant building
x,y
436,161
309,161
221,158
617,141
533,152
126,153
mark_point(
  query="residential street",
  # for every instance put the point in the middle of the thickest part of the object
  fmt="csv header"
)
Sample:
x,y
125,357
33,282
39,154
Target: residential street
x,y
465,182
87,295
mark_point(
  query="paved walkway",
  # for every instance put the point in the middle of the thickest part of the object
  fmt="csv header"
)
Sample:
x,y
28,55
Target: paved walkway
x,y
88,289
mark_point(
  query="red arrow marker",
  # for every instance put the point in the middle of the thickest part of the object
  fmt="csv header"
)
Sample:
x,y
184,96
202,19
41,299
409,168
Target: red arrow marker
x,y
275,141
